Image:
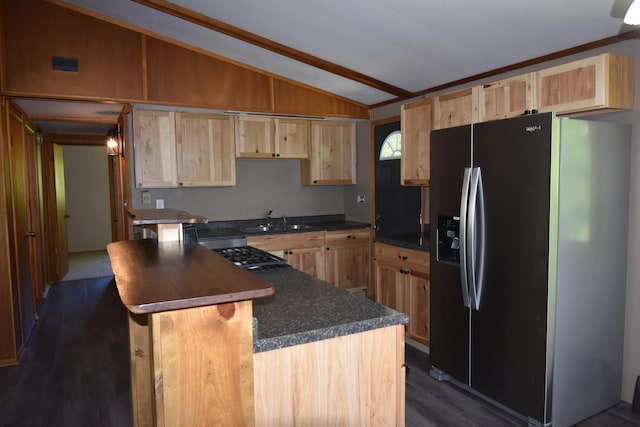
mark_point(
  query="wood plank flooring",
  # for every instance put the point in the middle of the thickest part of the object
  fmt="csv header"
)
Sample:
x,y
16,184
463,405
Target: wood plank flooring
x,y
75,372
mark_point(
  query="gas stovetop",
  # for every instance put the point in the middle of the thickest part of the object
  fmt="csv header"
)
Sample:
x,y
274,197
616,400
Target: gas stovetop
x,y
251,258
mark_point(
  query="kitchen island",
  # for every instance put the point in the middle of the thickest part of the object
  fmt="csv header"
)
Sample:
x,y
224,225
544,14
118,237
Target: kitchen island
x,y
307,354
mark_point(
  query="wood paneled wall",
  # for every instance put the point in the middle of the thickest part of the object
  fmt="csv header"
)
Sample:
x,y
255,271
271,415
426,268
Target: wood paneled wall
x,y
115,63
109,57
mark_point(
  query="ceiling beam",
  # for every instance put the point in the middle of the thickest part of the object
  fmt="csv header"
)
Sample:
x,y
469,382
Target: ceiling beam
x,y
92,120
66,138
264,43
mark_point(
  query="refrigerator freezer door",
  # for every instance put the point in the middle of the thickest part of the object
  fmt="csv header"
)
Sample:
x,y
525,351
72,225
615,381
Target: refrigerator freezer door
x,y
449,318
509,331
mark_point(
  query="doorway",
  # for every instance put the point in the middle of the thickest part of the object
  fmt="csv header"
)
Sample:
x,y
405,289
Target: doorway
x,y
397,208
87,197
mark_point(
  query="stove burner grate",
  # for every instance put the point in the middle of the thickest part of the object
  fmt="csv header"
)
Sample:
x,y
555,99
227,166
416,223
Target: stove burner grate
x,y
251,258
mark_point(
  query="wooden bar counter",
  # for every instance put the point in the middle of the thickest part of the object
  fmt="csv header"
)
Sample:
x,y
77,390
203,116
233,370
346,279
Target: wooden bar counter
x,y
191,333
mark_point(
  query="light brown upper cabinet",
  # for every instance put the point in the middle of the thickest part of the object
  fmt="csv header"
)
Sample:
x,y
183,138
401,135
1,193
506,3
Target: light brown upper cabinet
x,y
268,137
600,82
455,108
332,159
415,123
154,144
506,98
205,150
180,149
292,138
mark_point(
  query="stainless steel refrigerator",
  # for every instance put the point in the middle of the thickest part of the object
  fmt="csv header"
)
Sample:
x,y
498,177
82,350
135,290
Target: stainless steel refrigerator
x,y
528,218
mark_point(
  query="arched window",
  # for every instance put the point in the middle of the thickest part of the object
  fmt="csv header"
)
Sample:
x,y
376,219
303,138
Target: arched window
x,y
391,146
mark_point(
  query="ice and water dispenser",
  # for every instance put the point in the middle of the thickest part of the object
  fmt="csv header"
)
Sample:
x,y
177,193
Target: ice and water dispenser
x,y
448,239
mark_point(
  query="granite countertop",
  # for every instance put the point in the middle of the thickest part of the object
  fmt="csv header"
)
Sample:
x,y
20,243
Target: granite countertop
x,y
418,241
164,216
242,228
305,309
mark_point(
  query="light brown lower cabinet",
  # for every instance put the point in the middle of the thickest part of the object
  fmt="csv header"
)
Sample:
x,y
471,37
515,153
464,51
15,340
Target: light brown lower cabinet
x,y
402,282
340,257
303,251
353,380
347,258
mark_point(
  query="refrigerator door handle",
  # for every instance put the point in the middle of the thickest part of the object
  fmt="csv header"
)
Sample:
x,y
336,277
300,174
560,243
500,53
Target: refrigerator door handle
x,y
464,203
476,238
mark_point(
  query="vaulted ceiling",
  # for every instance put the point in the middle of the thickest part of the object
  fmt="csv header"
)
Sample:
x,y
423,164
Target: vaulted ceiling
x,y
373,51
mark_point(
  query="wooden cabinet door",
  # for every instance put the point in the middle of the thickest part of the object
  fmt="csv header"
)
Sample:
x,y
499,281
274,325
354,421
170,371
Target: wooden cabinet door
x,y
307,260
205,150
254,137
456,108
506,98
409,268
417,283
333,154
416,122
292,138
390,289
347,258
154,149
303,251
601,82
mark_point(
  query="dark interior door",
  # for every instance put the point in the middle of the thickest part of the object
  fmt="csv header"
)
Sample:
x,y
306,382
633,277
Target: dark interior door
x,y
397,207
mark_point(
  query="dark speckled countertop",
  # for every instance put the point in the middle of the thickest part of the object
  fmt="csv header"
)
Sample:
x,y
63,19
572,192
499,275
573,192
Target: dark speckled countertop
x,y
305,309
242,228
419,241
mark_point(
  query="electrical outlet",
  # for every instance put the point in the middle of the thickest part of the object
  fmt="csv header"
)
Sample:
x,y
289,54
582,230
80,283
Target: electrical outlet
x,y
146,198
360,198
159,203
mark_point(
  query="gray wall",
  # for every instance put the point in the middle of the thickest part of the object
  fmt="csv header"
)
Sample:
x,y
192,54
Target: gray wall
x,y
261,185
87,196
631,362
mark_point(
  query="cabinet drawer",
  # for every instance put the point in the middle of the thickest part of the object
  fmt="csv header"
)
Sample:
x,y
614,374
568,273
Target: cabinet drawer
x,y
287,241
396,254
357,237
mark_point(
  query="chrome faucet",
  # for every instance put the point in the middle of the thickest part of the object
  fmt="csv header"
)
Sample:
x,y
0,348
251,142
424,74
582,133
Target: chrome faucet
x,y
284,222
268,218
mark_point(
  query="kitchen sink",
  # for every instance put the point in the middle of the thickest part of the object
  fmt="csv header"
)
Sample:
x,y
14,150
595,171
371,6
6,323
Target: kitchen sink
x,y
265,228
296,227
260,228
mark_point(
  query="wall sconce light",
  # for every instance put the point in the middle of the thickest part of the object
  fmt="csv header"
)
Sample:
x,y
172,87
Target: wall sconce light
x,y
113,143
632,16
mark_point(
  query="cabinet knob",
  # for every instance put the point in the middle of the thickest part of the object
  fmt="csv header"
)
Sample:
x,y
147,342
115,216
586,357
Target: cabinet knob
x,y
273,154
31,234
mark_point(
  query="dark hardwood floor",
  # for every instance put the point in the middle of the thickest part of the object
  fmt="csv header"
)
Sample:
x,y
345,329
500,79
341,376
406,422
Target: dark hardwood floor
x,y
75,368
75,372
